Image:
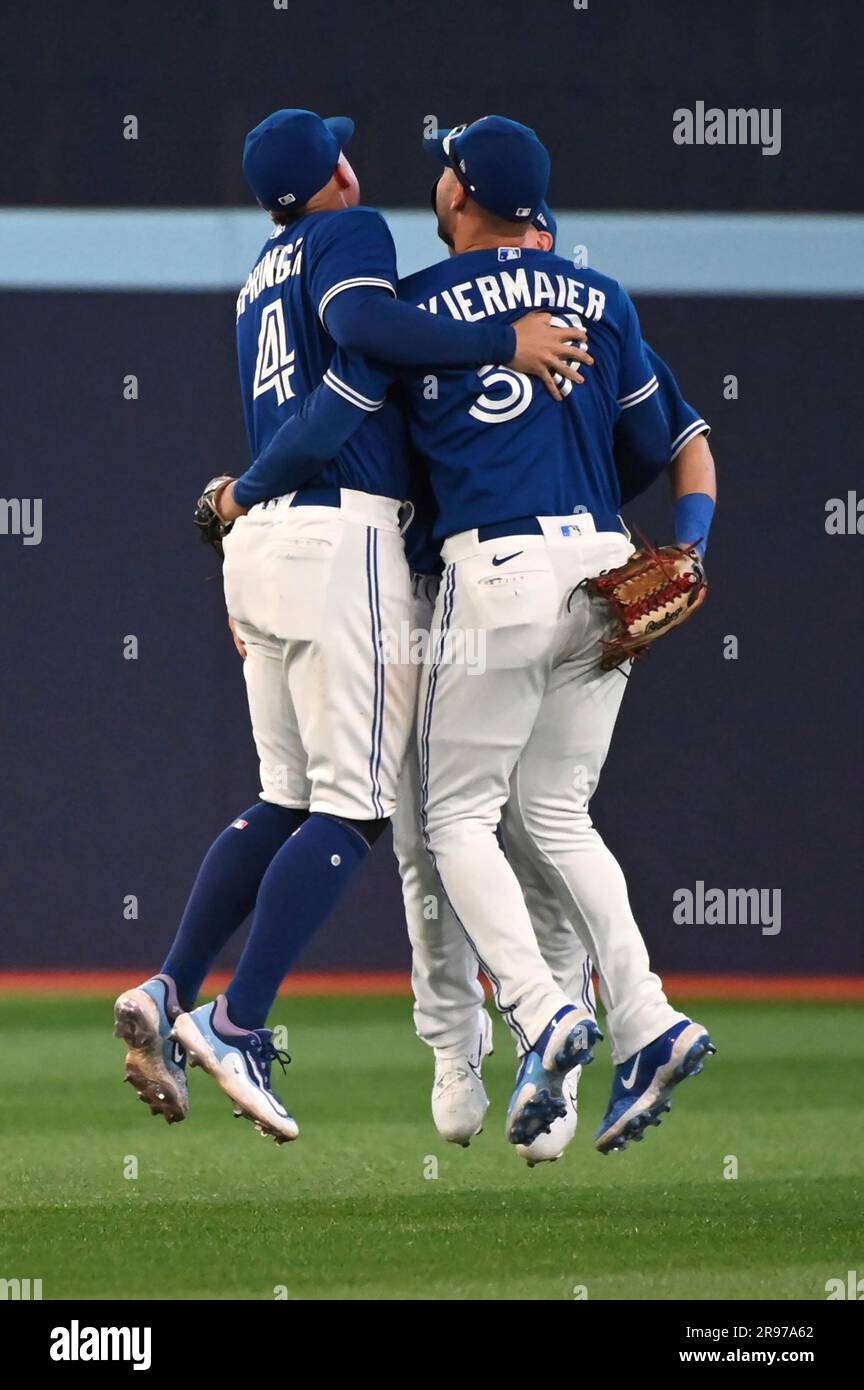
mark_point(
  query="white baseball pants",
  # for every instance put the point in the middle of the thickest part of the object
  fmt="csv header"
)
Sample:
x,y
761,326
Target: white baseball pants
x,y
534,730
319,595
448,996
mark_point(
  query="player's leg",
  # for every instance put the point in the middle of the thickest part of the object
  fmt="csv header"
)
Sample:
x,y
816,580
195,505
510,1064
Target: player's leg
x,y
227,885
229,1037
556,774
564,953
224,892
449,1012
353,699
475,717
354,691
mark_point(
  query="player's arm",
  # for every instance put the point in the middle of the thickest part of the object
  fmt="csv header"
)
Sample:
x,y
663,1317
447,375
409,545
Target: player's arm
x,y
694,487
353,279
351,390
657,429
649,437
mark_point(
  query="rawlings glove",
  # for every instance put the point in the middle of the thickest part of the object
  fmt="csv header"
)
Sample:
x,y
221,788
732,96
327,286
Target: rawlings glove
x,y
649,595
211,527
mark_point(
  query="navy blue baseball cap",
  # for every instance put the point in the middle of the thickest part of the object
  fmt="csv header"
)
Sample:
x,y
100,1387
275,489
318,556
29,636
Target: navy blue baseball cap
x,y
544,221
502,164
291,155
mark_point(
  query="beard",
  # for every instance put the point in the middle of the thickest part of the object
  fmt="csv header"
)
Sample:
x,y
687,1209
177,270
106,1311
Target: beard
x,y
443,233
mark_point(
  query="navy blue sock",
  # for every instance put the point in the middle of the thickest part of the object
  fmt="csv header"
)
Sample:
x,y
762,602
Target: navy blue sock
x,y
225,891
298,892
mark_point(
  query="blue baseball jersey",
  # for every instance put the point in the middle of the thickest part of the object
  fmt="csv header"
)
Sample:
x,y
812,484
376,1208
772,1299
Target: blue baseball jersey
x,y
635,472
496,444
284,349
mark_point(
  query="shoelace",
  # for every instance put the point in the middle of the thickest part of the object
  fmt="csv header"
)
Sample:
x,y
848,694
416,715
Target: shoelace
x,y
452,1077
269,1054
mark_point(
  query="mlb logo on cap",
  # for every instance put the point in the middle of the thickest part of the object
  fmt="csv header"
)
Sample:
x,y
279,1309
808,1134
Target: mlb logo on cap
x,y
293,150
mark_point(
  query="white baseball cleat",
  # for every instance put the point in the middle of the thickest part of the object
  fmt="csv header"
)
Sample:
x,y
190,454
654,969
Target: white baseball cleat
x,y
155,1064
459,1099
549,1147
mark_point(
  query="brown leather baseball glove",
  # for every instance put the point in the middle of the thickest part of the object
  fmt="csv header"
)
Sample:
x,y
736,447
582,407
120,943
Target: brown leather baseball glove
x,y
649,595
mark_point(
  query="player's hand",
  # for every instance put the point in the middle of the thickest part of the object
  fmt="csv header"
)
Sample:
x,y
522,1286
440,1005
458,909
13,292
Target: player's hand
x,y
227,508
542,351
238,640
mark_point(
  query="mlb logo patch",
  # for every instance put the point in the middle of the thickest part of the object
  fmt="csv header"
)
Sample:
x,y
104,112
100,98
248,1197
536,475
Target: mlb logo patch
x,y
570,531
239,824
286,199
509,253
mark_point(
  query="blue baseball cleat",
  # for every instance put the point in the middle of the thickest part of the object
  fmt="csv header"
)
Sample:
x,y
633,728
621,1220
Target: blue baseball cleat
x,y
539,1099
155,1064
644,1083
240,1061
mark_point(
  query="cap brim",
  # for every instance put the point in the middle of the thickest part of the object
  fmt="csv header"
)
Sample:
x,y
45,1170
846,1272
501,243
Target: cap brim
x,y
342,127
434,144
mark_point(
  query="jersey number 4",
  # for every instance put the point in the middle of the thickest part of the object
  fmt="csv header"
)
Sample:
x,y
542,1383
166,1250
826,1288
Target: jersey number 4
x,y
274,365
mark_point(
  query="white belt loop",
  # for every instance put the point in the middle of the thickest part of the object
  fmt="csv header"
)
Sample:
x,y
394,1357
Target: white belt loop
x,y
370,510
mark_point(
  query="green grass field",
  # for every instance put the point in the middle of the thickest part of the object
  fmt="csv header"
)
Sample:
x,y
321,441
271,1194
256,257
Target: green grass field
x,y
350,1211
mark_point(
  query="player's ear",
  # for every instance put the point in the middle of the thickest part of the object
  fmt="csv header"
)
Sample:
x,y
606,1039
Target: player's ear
x,y
459,197
545,241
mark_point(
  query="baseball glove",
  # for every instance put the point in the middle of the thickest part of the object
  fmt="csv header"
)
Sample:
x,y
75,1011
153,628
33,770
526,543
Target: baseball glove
x,y
211,527
649,595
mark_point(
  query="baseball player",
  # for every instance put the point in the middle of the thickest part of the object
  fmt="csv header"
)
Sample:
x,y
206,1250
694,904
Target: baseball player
x,y
311,580
518,481
515,565
449,1012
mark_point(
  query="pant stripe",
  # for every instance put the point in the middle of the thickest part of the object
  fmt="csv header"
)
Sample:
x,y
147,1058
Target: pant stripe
x,y
446,616
586,986
506,1011
378,700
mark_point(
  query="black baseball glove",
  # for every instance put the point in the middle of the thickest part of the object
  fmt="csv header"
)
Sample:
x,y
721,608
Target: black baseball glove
x,y
211,527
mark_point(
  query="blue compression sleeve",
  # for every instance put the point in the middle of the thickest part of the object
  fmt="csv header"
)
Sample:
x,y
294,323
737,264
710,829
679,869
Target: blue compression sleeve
x,y
371,322
694,513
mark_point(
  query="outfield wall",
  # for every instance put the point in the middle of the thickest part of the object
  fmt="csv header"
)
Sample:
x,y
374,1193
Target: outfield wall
x,y
737,760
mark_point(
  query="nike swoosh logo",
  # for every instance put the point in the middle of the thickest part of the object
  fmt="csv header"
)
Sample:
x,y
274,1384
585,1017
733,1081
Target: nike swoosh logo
x,y
504,558
627,1082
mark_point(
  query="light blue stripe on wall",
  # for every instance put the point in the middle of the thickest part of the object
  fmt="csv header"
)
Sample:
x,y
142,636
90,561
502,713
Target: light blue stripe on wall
x,y
652,253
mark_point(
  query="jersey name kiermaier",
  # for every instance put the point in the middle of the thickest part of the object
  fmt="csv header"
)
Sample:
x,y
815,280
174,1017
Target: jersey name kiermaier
x,y
284,350
497,445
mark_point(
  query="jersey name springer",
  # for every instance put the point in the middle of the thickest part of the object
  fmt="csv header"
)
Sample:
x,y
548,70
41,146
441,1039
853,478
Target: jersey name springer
x,y
274,268
525,289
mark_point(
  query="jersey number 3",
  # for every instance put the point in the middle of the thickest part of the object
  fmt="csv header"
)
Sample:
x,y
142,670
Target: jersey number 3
x,y
518,389
274,365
